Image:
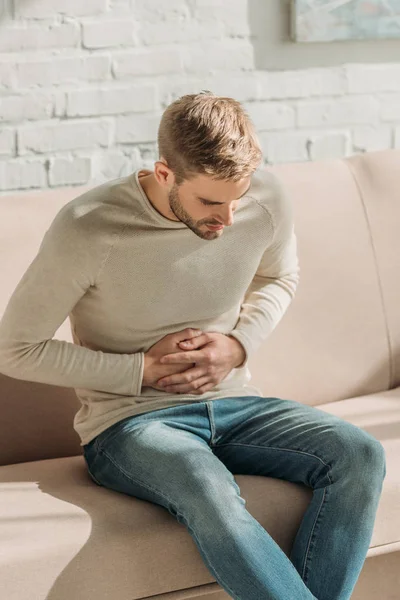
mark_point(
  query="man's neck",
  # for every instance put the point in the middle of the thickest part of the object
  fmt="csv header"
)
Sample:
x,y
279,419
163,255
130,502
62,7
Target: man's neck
x,y
154,194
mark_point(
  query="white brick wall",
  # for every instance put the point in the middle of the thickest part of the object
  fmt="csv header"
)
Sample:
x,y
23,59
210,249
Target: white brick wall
x,y
112,101
57,135
43,9
83,85
68,171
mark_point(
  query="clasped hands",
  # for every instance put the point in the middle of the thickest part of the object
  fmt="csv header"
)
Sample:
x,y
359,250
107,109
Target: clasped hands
x,y
214,355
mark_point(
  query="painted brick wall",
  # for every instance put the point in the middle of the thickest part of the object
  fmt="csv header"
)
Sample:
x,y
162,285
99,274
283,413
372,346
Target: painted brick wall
x,y
83,84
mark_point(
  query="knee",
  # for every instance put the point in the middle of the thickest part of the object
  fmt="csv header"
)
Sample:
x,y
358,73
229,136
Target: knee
x,y
364,453
372,455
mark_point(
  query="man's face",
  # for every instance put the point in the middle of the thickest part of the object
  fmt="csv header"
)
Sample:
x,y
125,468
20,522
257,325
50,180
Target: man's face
x,y
205,201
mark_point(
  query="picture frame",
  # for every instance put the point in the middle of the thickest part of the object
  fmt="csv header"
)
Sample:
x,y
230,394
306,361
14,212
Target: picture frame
x,y
336,20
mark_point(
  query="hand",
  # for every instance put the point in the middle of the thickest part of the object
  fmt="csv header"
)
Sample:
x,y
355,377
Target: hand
x,y
220,355
153,370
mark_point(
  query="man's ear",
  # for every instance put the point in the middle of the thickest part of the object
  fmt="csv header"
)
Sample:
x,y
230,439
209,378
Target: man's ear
x,y
163,172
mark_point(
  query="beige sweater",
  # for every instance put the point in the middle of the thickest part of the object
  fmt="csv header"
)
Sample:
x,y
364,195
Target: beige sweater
x,y
126,276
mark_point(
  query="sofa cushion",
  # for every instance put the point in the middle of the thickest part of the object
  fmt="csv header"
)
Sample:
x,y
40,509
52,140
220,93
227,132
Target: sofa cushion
x,y
65,537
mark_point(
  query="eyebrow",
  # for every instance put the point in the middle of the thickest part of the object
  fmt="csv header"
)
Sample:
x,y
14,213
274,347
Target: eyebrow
x,y
211,202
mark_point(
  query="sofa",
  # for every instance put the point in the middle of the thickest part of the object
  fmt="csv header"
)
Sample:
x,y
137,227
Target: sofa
x,y
65,538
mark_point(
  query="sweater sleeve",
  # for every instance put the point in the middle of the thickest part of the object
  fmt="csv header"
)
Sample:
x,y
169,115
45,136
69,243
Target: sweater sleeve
x,y
64,268
275,282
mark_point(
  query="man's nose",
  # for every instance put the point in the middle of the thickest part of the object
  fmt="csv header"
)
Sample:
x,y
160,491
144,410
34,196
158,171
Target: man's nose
x,y
227,217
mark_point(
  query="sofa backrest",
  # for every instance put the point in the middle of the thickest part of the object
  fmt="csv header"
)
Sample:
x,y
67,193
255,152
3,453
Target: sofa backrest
x,y
36,419
339,338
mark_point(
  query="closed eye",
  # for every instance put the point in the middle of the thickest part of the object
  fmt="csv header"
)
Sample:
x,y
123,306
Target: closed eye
x,y
208,203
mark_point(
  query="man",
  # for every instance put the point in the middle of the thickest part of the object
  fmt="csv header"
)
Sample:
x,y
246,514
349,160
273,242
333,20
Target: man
x,y
139,269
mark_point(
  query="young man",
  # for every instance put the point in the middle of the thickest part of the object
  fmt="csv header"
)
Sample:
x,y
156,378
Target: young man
x,y
138,268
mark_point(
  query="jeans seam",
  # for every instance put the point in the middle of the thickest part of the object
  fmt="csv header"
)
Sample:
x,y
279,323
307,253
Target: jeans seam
x,y
132,479
99,446
93,477
277,448
212,422
89,470
307,556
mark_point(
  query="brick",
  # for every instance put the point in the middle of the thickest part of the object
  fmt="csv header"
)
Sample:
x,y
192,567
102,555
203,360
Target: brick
x,y
397,138
7,142
8,77
370,139
302,83
230,55
110,101
173,87
329,145
270,115
27,106
120,7
390,107
44,9
211,4
172,31
338,111
64,135
148,156
241,89
60,104
159,10
20,174
238,23
106,33
6,11
58,70
33,37
111,165
69,171
281,147
137,128
373,78
147,62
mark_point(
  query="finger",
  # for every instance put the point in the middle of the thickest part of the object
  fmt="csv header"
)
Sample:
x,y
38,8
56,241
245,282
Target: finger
x,y
188,388
186,377
195,342
205,388
185,357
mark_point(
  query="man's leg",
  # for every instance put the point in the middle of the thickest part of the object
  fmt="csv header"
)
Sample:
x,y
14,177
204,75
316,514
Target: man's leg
x,y
164,457
343,464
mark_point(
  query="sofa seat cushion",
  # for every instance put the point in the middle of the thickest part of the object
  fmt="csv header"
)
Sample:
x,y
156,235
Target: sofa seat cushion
x,y
65,537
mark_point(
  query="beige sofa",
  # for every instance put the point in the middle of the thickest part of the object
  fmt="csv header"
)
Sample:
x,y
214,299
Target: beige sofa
x,y
64,538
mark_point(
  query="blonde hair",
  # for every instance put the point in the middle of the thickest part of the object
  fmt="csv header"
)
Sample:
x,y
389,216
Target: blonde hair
x,y
208,134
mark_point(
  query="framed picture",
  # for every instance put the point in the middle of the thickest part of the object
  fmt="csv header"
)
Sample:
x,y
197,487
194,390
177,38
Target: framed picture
x,y
334,20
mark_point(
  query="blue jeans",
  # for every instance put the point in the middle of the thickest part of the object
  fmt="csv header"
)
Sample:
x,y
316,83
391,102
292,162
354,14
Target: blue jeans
x,y
184,457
